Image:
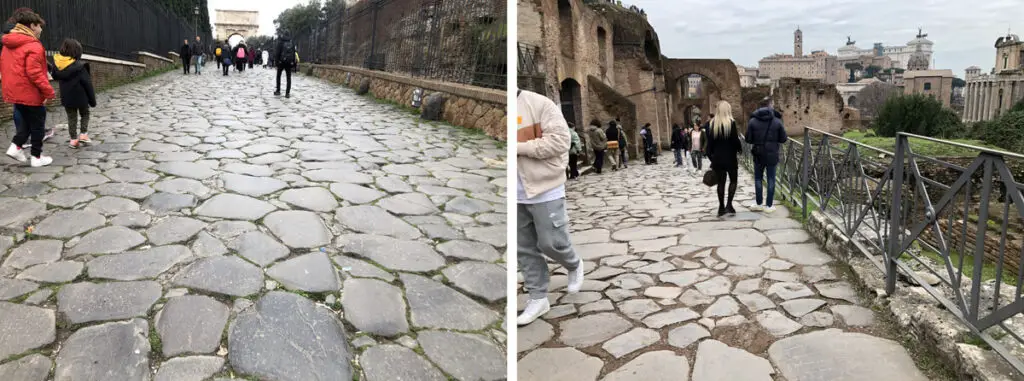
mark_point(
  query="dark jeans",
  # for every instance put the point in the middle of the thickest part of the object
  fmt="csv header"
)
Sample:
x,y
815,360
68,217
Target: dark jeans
x,y
187,63
648,156
721,186
226,67
623,156
697,158
288,73
759,170
679,156
218,62
240,66
33,124
572,172
598,160
73,113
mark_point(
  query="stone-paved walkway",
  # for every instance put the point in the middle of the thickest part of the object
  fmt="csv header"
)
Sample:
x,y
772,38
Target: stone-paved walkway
x,y
216,231
673,292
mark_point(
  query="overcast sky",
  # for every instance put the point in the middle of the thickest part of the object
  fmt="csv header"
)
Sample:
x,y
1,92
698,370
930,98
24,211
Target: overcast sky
x,y
964,32
269,9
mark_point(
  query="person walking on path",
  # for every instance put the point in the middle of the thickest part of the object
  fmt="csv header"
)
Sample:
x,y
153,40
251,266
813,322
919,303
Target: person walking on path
x,y
8,26
240,57
765,133
723,147
596,141
574,153
217,51
197,53
76,92
266,58
698,140
687,145
677,144
252,57
542,223
225,57
648,137
24,69
285,59
612,133
186,56
623,156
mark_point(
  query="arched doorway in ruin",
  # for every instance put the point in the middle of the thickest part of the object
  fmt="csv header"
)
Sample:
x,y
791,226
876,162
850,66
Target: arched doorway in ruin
x,y
719,79
852,101
571,100
235,39
695,96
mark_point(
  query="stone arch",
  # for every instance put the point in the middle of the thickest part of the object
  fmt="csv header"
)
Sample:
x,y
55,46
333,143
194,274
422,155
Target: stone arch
x,y
571,100
567,28
722,75
235,38
852,101
651,50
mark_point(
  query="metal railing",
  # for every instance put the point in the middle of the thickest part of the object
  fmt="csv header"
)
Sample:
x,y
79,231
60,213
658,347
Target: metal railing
x,y
110,28
461,41
931,221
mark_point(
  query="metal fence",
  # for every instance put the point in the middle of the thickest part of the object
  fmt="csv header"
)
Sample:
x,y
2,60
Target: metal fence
x,y
110,28
917,217
462,41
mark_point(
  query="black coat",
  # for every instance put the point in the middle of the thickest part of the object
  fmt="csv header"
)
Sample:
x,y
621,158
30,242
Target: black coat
x,y
185,51
766,133
612,133
723,150
76,85
677,138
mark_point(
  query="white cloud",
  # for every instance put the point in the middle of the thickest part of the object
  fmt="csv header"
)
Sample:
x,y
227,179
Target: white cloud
x,y
963,33
269,9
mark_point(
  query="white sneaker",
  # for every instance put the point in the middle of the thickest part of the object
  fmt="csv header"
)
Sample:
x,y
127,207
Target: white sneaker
x,y
535,308
770,209
41,161
755,207
17,153
576,279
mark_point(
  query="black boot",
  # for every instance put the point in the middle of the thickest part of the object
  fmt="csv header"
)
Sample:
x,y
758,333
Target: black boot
x,y
721,211
730,210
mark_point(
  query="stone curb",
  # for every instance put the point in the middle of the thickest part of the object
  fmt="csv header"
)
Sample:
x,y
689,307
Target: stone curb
x,y
914,310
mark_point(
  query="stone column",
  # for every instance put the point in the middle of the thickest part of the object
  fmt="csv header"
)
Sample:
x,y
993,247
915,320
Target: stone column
x,y
969,102
968,98
974,102
983,100
989,100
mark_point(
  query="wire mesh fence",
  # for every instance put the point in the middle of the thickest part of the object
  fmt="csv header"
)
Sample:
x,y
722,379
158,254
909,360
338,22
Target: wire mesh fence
x,y
110,28
460,41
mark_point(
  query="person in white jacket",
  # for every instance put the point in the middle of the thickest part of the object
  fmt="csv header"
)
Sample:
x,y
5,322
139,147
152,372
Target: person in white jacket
x,y
266,58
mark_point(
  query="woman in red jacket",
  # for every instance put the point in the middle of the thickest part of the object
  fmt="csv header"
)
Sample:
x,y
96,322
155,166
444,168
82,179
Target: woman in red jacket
x,y
25,84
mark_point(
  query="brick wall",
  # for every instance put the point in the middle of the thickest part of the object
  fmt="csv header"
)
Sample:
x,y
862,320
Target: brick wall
x,y
467,106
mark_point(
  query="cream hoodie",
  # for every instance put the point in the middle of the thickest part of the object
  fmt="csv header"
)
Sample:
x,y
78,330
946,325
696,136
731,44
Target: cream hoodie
x,y
541,162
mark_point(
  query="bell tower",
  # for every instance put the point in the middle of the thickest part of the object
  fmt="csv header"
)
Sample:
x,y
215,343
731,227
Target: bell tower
x,y
798,42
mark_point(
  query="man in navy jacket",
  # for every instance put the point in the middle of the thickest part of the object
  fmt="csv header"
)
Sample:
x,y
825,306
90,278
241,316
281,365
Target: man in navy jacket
x,y
766,134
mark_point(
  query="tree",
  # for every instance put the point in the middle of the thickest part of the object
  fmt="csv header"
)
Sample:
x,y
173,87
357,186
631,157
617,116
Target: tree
x,y
871,71
1006,132
299,18
871,98
957,82
917,114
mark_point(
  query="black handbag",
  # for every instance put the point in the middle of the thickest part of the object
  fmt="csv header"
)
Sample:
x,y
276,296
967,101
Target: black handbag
x,y
710,178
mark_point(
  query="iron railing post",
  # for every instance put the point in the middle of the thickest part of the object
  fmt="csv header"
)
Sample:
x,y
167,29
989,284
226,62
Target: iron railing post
x,y
896,187
805,168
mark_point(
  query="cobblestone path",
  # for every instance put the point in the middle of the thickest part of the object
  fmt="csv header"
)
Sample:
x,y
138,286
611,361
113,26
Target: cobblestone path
x,y
673,292
216,231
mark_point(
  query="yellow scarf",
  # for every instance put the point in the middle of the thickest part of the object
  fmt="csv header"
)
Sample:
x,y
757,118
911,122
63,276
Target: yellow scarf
x,y
22,29
62,61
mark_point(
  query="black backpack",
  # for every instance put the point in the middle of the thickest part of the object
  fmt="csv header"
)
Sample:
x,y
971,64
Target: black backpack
x,y
288,52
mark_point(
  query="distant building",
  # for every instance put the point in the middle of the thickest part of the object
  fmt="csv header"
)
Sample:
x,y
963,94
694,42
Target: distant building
x,y
937,84
899,55
989,95
748,76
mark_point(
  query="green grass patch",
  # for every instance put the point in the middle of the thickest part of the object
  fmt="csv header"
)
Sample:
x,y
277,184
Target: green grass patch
x,y
988,269
920,147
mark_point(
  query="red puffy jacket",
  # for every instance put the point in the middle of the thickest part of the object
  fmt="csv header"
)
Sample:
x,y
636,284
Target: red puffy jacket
x,y
23,69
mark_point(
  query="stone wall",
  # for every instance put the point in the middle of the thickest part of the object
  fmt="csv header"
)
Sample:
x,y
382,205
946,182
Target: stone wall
x,y
467,106
811,103
751,98
155,62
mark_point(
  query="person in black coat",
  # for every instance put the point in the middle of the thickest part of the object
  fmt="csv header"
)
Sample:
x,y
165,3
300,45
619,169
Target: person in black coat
x,y
677,144
186,56
284,60
225,56
76,91
766,134
612,134
649,150
723,147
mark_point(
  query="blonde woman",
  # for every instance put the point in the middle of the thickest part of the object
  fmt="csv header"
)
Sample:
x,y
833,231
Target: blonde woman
x,y
723,146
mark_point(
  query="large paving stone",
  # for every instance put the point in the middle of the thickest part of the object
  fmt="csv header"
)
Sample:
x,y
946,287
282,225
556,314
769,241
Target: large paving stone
x,y
111,239
432,304
126,190
469,250
191,324
776,323
227,275
716,361
714,238
467,357
33,253
493,235
338,176
109,205
312,272
838,290
807,254
13,288
69,223
374,307
405,204
251,185
374,220
483,280
182,186
298,229
653,366
117,351
79,180
533,335
235,207
592,329
259,248
744,256
34,367
130,175
137,265
467,206
16,212
314,198
26,190
192,368
289,338
56,272
86,302
355,267
854,316
186,169
394,362
632,341
599,250
667,318
394,254
356,194
174,230
646,232
23,328
565,364
67,198
835,355
163,203
682,337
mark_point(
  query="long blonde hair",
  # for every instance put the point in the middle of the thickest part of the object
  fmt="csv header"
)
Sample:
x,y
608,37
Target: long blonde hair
x,y
721,124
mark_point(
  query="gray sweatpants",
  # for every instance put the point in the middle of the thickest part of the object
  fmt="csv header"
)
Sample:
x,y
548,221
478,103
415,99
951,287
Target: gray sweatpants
x,y
543,230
